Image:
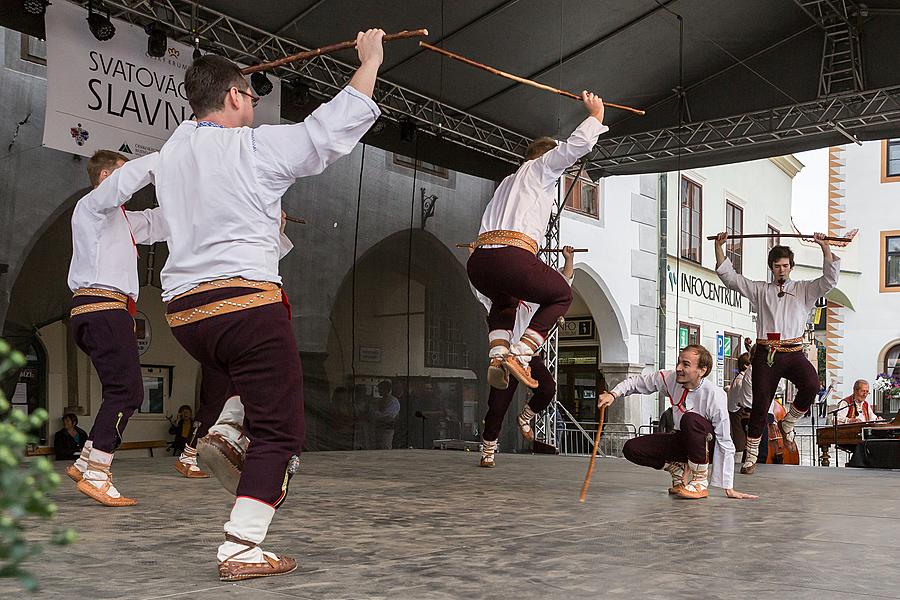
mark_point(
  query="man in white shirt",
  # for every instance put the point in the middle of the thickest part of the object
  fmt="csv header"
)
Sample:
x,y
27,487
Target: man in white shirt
x,y
499,399
782,308
384,416
104,281
700,410
219,183
505,267
855,408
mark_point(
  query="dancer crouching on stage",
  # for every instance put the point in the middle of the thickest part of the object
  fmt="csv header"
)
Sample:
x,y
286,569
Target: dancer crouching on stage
x,y
700,411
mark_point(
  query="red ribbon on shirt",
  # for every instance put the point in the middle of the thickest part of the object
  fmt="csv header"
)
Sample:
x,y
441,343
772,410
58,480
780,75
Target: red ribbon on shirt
x,y
130,304
681,403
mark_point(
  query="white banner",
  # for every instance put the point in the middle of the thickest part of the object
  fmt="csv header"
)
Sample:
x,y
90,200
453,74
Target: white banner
x,y
112,95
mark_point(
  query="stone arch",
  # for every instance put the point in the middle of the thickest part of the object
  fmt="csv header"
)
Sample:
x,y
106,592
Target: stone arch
x,y
612,328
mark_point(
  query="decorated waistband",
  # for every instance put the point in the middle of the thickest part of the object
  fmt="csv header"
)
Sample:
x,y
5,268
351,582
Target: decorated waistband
x,y
501,237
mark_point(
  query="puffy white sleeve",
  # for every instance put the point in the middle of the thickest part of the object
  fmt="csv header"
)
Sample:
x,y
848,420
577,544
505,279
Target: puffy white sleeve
x,y
642,384
147,226
553,163
121,185
723,458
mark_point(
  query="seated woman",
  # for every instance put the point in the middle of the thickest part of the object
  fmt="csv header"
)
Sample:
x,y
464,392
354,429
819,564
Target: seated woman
x,y
68,441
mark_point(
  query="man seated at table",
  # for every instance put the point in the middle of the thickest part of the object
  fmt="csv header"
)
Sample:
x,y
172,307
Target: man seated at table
x,y
855,408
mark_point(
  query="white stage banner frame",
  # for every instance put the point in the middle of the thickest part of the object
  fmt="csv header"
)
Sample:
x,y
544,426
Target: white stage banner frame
x,y
112,95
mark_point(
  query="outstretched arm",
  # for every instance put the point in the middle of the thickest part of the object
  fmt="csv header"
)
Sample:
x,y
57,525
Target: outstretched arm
x,y
731,278
582,140
370,49
568,270
831,267
121,185
638,384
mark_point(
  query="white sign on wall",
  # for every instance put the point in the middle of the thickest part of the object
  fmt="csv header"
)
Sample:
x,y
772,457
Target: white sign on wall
x,y
112,95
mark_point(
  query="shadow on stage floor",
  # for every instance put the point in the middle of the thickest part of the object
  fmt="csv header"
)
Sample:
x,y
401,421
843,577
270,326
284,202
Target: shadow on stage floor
x,y
431,524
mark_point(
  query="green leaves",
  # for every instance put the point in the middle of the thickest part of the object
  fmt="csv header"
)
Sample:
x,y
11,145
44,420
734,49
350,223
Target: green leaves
x,y
25,486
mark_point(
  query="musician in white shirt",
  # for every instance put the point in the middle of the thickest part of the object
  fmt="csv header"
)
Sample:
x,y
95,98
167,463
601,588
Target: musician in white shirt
x,y
783,307
104,281
700,410
855,408
219,183
505,267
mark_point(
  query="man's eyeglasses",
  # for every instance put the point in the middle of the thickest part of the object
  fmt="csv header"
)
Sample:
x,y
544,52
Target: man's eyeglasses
x,y
254,100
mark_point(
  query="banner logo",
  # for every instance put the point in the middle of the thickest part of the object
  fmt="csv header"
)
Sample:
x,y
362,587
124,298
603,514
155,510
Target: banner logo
x,y
79,134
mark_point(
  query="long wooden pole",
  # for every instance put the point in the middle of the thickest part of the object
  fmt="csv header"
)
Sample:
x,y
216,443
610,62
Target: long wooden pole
x,y
518,79
587,478
747,236
307,54
294,219
472,245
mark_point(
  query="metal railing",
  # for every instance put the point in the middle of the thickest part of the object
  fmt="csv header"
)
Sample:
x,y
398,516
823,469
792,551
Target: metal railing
x,y
576,438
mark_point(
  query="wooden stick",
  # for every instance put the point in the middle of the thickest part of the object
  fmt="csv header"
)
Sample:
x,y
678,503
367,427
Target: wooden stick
x,y
518,79
587,478
834,241
307,54
560,250
294,219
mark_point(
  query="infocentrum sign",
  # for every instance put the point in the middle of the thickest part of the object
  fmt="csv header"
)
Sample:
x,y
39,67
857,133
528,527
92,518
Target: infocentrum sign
x,y
704,288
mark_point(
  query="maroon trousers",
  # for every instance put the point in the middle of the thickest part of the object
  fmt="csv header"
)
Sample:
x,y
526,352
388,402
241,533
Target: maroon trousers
x,y
688,443
107,336
793,366
507,275
257,350
499,400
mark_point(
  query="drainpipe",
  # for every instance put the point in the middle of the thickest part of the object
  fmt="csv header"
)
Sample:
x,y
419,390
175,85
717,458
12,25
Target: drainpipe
x,y
663,229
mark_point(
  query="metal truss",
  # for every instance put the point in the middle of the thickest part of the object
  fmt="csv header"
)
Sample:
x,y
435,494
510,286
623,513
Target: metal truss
x,y
192,23
842,68
842,113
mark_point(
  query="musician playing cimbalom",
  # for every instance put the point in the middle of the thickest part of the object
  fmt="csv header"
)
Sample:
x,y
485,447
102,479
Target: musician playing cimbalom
x,y
782,306
855,408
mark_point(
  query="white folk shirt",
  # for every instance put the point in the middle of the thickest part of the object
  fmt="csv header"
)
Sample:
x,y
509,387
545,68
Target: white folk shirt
x,y
524,200
104,235
220,189
863,411
786,315
707,400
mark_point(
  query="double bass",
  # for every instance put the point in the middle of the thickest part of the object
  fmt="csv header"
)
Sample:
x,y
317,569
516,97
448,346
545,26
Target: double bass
x,y
778,450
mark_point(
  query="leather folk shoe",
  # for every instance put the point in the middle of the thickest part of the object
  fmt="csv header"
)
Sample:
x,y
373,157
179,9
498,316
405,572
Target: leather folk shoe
x,y
514,367
190,471
235,570
103,495
222,459
74,473
677,470
497,377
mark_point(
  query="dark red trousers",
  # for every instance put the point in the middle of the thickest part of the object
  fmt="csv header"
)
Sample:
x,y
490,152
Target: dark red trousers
x,y
793,366
215,390
107,336
499,400
507,275
688,443
257,350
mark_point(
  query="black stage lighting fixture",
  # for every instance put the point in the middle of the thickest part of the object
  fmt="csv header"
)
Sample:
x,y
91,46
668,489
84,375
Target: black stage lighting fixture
x,y
301,92
408,130
36,7
261,84
100,24
156,40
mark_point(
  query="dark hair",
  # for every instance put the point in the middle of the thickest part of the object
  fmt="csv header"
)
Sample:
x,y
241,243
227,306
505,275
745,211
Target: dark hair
x,y
102,160
385,384
72,417
743,361
704,357
185,406
539,147
208,79
778,252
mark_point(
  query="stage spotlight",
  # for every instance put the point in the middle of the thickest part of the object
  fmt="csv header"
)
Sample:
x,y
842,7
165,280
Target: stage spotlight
x,y
261,84
36,7
301,92
100,25
408,130
156,40
197,53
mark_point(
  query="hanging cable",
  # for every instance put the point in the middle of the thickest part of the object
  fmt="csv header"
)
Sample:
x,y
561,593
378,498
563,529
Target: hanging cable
x,y
412,212
680,99
362,164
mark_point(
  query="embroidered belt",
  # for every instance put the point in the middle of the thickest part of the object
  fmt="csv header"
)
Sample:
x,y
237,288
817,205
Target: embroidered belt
x,y
502,237
120,301
225,306
218,284
790,345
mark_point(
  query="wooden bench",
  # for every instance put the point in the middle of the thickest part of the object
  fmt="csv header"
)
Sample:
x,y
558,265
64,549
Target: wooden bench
x,y
149,445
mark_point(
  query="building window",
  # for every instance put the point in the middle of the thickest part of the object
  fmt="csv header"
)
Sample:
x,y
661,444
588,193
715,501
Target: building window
x,y
734,225
584,197
732,352
444,344
421,166
691,219
775,240
892,361
688,334
890,261
890,161
34,50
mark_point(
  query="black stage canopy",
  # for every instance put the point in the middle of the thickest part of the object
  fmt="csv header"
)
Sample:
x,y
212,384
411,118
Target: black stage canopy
x,y
758,77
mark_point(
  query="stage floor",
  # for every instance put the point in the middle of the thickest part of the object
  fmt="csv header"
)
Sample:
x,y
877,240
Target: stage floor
x,y
432,524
